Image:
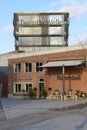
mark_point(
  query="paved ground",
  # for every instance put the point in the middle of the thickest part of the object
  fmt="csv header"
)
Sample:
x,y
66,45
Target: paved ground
x,y
66,122
41,114
2,115
17,107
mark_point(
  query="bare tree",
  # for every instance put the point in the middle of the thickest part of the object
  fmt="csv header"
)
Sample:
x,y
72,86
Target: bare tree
x,y
83,44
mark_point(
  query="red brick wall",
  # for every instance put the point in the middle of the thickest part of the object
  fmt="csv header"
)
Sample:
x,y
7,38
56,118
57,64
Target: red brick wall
x,y
74,78
50,76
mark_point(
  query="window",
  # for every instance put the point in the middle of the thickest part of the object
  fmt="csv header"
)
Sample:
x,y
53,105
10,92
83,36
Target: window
x,y
28,86
41,80
17,68
17,88
28,67
38,68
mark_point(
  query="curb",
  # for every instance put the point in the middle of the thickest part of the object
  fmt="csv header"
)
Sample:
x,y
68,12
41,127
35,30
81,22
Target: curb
x,y
76,106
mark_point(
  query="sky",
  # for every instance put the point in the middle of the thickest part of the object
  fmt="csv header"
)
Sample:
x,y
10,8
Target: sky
x,y
77,18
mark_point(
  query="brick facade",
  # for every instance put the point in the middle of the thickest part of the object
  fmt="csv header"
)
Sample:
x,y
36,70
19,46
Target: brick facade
x,y
74,76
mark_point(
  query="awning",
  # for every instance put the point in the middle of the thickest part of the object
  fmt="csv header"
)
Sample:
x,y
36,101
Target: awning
x,y
65,63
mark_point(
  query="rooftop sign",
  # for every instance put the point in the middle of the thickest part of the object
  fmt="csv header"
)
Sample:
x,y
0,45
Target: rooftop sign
x,y
46,20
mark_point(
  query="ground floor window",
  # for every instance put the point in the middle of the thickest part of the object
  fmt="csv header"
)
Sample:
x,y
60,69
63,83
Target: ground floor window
x,y
17,88
28,86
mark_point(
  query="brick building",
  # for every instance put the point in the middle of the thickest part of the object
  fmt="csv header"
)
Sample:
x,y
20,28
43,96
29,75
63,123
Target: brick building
x,y
25,70
4,72
33,32
42,57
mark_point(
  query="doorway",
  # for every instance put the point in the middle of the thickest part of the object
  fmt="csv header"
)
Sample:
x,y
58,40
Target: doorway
x,y
41,85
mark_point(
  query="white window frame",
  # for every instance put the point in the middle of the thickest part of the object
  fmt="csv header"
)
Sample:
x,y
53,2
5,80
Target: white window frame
x,y
16,68
41,81
29,69
14,87
39,69
28,84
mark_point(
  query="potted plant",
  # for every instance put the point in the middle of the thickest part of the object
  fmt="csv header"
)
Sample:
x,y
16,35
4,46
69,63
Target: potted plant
x,y
70,91
35,89
31,93
24,93
56,92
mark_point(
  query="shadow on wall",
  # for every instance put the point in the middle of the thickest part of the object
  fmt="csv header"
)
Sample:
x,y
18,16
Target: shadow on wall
x,y
3,81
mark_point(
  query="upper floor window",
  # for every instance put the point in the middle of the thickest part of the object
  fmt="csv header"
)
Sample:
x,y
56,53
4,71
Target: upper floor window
x,y
38,68
17,68
28,67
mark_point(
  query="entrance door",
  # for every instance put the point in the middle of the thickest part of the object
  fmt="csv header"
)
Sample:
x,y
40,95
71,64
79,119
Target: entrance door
x,y
41,85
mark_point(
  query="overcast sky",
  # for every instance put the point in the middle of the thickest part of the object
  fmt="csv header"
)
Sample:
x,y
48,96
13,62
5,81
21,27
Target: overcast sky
x,y
76,8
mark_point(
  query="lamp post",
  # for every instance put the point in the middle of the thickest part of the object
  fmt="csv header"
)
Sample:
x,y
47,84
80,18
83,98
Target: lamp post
x,y
63,83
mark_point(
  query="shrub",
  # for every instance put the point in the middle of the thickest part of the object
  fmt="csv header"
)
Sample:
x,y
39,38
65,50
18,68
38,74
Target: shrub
x,y
56,90
23,90
24,94
31,93
69,89
35,89
43,93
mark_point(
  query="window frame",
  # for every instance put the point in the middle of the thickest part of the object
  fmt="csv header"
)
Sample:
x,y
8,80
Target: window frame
x,y
28,83
39,69
29,67
41,83
17,67
15,85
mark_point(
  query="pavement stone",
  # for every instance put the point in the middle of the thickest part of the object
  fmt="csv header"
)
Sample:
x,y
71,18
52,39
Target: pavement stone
x,y
14,108
68,122
19,107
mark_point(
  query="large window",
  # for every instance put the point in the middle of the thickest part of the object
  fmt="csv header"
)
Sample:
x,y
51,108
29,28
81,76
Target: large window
x,y
17,67
38,68
28,67
28,87
17,88
30,30
41,30
42,41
